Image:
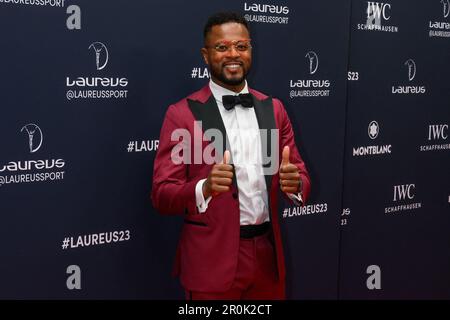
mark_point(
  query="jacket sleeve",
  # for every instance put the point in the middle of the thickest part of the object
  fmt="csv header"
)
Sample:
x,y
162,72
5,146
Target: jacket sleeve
x,y
172,191
287,139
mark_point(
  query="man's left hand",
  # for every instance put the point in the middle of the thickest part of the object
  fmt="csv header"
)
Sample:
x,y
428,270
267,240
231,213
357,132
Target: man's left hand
x,y
290,181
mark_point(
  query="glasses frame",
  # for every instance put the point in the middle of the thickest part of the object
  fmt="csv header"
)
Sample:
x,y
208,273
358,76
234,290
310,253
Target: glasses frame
x,y
229,43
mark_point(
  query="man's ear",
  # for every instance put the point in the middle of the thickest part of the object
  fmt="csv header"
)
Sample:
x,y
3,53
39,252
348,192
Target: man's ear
x,y
204,53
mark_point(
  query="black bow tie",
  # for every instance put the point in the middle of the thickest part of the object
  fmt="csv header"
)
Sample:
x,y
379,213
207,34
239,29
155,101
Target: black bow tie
x,y
244,99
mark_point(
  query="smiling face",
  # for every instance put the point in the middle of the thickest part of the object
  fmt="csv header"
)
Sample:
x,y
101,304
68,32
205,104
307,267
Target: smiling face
x,y
230,67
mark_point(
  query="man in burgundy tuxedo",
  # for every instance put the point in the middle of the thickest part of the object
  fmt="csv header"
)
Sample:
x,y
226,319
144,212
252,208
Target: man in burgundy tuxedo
x,y
230,245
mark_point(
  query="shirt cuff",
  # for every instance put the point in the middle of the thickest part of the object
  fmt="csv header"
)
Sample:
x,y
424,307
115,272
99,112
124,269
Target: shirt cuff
x,y
202,204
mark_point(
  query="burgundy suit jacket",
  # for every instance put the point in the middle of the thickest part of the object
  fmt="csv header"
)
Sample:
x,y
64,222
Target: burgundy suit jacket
x,y
207,253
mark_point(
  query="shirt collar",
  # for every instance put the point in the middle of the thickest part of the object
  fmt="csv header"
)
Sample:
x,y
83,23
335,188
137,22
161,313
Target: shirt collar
x,y
218,91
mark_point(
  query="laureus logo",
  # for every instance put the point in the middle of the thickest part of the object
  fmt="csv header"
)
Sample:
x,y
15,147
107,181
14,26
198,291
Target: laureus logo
x,y
409,89
373,130
32,170
446,7
313,61
441,28
35,136
411,69
101,54
95,87
312,87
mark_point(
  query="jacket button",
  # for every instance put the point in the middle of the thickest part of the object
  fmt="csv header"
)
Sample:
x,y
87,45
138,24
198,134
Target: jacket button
x,y
235,195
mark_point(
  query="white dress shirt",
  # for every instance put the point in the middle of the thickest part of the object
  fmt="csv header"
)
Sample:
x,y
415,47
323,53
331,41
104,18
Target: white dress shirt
x,y
245,149
245,144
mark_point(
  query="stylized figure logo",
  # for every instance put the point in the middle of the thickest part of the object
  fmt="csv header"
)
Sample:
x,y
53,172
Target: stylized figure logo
x,y
411,69
31,129
373,130
446,6
313,61
98,48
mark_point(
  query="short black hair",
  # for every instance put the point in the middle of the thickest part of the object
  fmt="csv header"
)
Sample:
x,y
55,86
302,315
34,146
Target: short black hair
x,y
221,18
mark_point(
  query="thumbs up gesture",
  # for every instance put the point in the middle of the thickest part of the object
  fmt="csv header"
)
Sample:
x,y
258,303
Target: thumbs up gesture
x,y
290,181
220,178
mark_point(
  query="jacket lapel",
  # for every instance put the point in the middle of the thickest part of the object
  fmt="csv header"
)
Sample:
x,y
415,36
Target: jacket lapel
x,y
208,113
266,120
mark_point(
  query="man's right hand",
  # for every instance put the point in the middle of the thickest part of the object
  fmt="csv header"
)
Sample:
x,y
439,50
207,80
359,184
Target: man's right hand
x,y
220,178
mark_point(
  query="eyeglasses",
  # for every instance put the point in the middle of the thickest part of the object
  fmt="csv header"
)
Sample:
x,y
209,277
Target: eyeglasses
x,y
224,45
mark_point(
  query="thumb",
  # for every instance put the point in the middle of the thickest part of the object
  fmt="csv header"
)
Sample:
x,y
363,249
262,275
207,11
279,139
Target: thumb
x,y
226,157
285,156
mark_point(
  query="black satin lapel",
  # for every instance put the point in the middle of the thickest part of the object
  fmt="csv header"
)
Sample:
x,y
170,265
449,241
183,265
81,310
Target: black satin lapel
x,y
266,120
208,113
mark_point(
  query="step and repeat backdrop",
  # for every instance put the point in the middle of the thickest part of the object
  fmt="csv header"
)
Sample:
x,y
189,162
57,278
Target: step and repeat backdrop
x,y
84,88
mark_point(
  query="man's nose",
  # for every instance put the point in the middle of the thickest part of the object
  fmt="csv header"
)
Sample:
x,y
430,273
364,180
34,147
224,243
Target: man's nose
x,y
233,52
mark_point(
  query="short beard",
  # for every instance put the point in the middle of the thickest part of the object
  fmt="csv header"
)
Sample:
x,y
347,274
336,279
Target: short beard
x,y
230,82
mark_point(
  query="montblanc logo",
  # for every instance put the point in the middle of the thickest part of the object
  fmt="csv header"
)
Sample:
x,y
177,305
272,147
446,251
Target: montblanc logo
x,y
266,13
411,70
377,13
34,135
310,87
101,54
403,193
436,133
441,28
313,61
373,131
446,7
